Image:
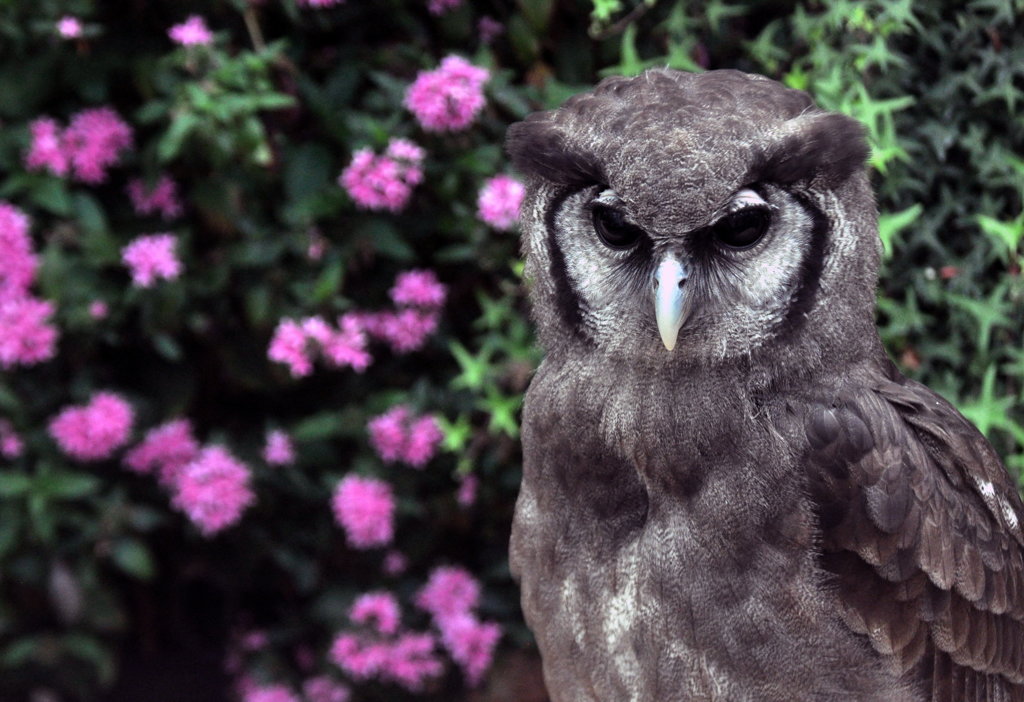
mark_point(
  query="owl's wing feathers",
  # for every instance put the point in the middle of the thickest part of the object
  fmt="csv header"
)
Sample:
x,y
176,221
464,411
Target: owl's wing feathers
x,y
921,527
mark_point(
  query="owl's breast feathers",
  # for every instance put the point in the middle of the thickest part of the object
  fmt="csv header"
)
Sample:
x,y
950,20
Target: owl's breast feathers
x,y
921,531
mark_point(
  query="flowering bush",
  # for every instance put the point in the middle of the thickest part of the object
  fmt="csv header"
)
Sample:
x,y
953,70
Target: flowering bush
x,y
263,339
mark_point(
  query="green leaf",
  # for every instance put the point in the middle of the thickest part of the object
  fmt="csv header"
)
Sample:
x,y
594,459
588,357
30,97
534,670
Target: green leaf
x,y
891,224
65,485
182,125
134,558
14,484
323,425
52,194
1006,235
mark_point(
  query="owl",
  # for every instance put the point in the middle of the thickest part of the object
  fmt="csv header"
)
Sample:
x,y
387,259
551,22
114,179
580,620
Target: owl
x,y
729,492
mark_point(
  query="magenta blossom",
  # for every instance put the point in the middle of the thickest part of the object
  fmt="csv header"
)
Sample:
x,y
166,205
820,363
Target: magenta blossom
x,y
376,609
489,29
395,563
440,7
499,202
296,344
471,644
290,346
278,451
384,182
450,591
150,258
191,32
408,660
419,288
94,141
11,445
404,330
26,336
18,262
98,309
161,197
92,432
213,490
323,689
69,27
365,508
269,693
318,4
165,449
448,98
47,150
398,436
468,486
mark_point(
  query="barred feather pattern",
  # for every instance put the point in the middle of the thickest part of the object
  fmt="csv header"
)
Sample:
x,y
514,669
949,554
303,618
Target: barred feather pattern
x,y
921,532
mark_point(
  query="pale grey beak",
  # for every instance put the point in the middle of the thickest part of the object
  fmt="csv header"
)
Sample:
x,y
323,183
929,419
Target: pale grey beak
x,y
669,299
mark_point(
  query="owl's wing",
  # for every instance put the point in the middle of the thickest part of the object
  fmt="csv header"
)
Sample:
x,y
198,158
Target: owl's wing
x,y
921,527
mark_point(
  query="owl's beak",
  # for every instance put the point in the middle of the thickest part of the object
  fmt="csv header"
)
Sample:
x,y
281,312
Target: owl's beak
x,y
669,308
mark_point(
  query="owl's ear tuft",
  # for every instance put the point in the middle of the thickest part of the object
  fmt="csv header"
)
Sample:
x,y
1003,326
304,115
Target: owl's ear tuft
x,y
537,147
825,144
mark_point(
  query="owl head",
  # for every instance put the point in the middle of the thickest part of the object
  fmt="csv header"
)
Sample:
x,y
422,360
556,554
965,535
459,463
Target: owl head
x,y
677,218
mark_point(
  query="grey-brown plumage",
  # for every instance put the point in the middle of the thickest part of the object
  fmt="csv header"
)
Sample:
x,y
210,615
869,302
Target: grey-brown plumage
x,y
729,492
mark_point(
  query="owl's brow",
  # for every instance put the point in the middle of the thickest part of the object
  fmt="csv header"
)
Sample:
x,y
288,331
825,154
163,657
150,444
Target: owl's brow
x,y
537,148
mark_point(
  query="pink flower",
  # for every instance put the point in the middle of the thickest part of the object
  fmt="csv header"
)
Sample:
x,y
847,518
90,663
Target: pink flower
x,y
410,661
161,197
449,97
489,29
405,330
439,7
47,150
396,435
323,689
418,288
319,4
254,641
377,609
10,443
449,591
93,142
395,563
290,346
389,433
278,450
499,201
365,508
466,495
213,490
384,182
150,258
347,345
471,644
191,32
26,337
167,449
317,245
69,27
269,693
18,263
361,660
98,309
93,431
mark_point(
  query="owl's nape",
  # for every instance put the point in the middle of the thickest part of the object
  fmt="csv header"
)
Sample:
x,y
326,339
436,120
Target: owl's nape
x,y
729,492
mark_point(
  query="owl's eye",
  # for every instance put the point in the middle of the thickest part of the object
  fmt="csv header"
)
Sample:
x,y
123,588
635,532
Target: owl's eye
x,y
742,229
613,229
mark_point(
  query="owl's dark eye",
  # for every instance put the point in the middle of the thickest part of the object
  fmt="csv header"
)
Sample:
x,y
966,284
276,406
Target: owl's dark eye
x,y
742,229
613,229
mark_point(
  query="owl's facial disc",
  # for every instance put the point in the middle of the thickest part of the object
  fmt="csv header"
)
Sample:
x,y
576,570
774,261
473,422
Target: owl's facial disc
x,y
670,308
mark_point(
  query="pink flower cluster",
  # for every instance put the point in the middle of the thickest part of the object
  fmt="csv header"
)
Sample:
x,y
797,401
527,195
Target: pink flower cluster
x,y
161,197
165,450
418,288
380,650
319,4
384,182
268,693
91,144
69,27
323,689
448,98
499,202
450,595
26,337
440,7
419,297
365,509
213,490
278,451
92,432
150,258
399,436
191,32
297,343
11,445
